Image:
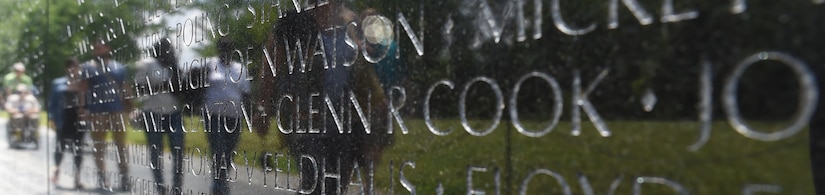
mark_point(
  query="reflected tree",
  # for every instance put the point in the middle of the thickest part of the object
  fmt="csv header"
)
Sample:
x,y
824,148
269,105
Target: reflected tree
x,y
49,35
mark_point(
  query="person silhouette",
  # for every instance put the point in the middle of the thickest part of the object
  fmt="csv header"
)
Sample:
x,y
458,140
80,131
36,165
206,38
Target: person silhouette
x,y
161,118
310,80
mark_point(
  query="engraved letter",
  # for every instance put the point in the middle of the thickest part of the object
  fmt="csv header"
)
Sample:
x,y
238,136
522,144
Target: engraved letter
x,y
278,116
808,96
427,119
393,114
537,21
705,105
557,107
314,165
417,43
580,101
404,182
335,117
462,106
635,8
352,45
668,14
566,29
565,188
496,25
221,12
471,190
588,190
376,25
269,60
312,111
365,120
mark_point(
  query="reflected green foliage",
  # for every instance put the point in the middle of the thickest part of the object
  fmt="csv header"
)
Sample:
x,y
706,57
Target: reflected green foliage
x,y
459,46
638,148
248,23
66,28
726,164
14,14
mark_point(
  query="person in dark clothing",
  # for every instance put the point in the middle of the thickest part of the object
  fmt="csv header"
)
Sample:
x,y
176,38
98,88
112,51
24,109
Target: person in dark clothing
x,y
222,102
160,115
322,142
63,118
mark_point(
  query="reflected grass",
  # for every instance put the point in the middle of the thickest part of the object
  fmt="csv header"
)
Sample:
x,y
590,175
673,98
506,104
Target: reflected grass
x,y
724,165
727,163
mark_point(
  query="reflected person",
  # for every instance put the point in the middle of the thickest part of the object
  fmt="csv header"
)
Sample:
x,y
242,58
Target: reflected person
x,y
335,148
155,76
104,92
23,107
228,84
63,118
381,48
16,77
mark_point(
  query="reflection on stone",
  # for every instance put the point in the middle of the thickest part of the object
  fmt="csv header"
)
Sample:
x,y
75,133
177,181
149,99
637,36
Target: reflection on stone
x,y
333,96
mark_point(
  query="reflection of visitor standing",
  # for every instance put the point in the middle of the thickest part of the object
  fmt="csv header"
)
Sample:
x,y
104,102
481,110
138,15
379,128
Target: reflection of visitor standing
x,y
228,85
160,113
104,95
63,118
381,49
335,147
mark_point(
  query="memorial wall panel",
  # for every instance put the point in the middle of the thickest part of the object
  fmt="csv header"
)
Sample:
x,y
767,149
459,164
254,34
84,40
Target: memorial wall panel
x,y
426,97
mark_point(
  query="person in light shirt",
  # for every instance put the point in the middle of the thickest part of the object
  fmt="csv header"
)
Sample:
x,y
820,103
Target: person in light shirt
x,y
228,85
17,77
